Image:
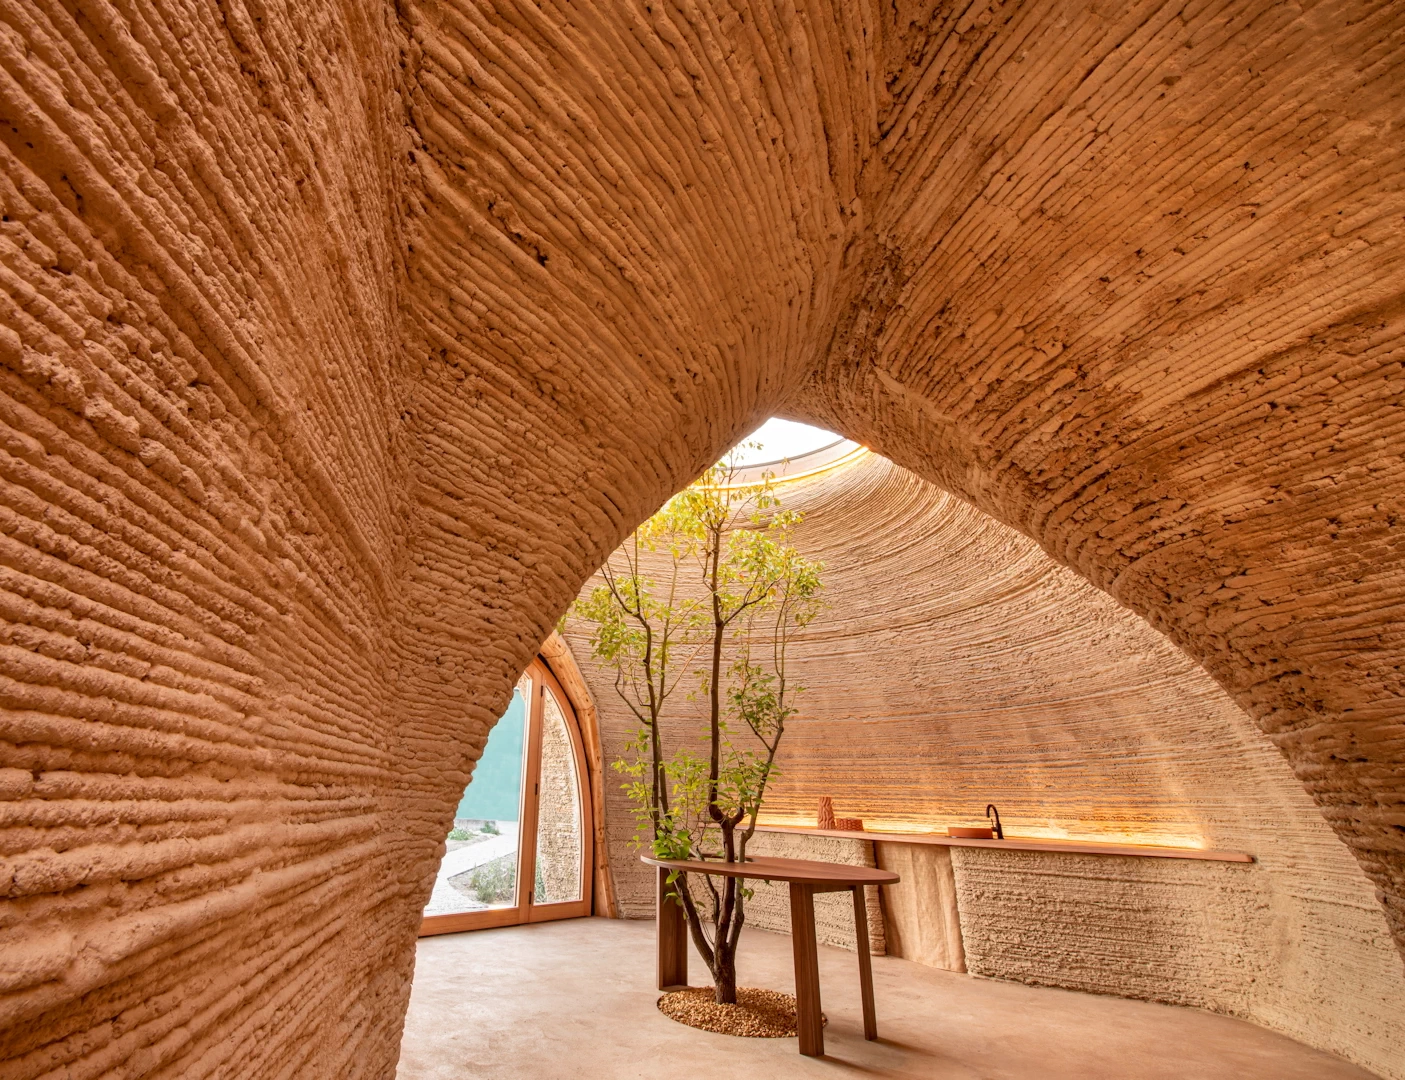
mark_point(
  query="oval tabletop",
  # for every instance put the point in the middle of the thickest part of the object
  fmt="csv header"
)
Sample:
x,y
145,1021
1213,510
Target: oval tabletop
x,y
798,871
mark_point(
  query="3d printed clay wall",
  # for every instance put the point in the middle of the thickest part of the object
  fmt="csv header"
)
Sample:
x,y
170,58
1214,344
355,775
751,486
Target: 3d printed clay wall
x,y
340,341
956,665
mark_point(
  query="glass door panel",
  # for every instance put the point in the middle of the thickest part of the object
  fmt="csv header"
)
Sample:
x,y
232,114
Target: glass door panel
x,y
521,841
559,860
481,858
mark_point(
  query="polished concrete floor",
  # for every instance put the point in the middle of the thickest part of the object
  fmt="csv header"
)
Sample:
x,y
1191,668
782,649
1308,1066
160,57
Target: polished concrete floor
x,y
576,999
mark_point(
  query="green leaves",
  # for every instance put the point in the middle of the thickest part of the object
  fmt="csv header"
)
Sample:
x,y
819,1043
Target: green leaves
x,y
713,574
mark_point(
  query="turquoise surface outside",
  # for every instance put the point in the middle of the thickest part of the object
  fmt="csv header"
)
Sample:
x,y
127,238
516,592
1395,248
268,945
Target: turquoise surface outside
x,y
495,791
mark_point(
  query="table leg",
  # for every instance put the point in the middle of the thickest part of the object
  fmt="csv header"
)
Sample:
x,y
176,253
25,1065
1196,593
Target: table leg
x,y
870,1016
672,933
807,970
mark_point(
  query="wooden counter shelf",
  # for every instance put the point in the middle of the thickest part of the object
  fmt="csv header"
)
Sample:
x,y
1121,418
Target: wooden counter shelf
x,y
1015,843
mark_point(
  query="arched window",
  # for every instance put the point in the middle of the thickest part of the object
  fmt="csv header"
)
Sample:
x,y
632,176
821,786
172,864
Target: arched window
x,y
525,817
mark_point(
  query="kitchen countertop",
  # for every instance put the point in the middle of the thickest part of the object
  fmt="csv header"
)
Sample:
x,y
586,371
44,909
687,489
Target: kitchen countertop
x,y
1017,843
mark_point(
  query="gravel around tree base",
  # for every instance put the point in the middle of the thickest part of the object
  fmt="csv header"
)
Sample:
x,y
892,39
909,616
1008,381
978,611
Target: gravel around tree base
x,y
758,1014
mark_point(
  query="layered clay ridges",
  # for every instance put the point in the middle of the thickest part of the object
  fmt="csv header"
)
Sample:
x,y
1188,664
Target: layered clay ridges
x,y
340,342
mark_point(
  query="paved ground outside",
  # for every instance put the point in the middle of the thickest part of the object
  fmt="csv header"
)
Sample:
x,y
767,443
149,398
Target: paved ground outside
x,y
447,900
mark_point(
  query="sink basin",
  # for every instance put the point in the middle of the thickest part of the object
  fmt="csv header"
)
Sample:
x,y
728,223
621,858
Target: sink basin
x,y
967,833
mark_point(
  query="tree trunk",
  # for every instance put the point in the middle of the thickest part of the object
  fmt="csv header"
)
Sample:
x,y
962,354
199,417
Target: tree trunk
x,y
724,975
720,955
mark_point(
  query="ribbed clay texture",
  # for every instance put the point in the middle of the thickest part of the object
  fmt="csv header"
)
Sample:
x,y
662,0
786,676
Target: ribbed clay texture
x,y
340,341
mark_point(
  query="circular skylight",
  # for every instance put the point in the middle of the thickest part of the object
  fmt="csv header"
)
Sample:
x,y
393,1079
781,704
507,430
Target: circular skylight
x,y
780,439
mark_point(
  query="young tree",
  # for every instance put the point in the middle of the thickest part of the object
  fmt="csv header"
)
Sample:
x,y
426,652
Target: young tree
x,y
729,592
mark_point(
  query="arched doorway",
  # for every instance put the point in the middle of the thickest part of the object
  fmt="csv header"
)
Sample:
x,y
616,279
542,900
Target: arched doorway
x,y
525,817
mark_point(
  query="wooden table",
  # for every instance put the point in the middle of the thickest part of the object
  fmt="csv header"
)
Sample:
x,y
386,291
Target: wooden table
x,y
805,879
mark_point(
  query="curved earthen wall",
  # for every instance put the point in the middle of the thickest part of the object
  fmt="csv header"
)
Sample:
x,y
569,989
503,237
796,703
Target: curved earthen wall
x,y
956,664
341,341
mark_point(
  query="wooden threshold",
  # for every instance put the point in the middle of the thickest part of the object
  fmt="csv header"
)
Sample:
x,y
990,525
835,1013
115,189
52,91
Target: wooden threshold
x,y
469,920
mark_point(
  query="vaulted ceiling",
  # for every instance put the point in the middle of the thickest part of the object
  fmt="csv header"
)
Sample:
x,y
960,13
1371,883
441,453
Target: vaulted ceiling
x,y
341,341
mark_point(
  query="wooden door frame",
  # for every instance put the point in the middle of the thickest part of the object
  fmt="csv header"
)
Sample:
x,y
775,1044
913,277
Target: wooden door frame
x,y
541,680
566,909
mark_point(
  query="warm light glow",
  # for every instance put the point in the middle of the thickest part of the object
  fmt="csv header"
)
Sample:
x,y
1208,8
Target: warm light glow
x,y
1087,832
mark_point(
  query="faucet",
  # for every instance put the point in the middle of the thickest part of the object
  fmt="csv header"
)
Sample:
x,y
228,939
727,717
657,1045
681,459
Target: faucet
x,y
990,809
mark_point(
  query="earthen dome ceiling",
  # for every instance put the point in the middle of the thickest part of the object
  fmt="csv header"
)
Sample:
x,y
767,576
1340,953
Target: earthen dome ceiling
x,y
341,341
